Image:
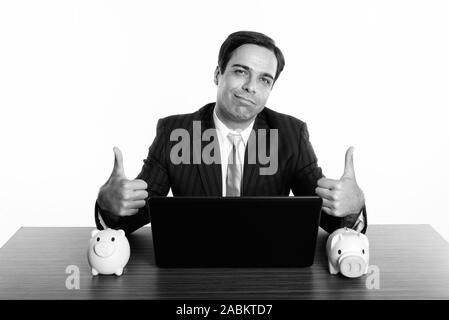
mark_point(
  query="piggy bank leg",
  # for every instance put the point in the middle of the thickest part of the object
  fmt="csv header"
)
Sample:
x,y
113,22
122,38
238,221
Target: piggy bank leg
x,y
332,270
119,272
94,272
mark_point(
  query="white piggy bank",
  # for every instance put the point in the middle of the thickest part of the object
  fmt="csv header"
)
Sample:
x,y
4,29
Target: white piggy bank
x,y
108,251
348,253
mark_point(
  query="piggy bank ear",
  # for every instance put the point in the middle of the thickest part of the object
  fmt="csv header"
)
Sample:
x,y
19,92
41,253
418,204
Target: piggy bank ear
x,y
93,233
335,240
121,233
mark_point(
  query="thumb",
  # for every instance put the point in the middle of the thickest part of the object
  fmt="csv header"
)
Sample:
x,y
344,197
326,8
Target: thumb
x,y
349,164
118,169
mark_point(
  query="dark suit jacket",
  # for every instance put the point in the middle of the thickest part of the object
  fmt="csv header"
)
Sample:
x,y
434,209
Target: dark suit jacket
x,y
297,170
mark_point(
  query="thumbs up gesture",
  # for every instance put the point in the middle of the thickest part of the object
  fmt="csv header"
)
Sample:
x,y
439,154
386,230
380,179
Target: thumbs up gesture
x,y
342,197
119,195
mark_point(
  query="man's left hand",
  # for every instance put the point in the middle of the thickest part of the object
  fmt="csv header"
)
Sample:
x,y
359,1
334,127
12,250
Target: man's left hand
x,y
342,197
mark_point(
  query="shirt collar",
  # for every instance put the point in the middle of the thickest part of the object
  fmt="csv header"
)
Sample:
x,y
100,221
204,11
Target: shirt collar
x,y
223,130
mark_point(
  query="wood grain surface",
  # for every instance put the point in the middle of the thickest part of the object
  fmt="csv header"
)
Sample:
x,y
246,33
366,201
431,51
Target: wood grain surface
x,y
413,261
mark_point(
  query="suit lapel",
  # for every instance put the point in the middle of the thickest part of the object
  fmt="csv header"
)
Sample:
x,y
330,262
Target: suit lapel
x,y
210,174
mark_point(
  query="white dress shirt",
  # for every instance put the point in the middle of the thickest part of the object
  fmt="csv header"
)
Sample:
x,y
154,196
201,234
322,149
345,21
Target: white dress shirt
x,y
226,146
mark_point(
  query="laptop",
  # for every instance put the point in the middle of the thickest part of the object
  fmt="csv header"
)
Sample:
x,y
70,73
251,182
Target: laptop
x,y
234,231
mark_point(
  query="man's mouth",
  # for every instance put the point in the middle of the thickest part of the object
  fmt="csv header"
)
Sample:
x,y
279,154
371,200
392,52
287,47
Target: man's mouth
x,y
248,101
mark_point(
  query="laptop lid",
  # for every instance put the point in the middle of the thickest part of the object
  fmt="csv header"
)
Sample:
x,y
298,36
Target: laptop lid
x,y
234,231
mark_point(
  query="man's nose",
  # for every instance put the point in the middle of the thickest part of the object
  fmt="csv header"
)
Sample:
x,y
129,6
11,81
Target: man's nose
x,y
250,85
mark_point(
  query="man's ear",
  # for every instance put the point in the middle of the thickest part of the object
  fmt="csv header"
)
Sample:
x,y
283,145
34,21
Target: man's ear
x,y
216,74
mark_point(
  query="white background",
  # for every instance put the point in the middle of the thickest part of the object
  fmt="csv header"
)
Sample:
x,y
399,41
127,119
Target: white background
x,y
78,77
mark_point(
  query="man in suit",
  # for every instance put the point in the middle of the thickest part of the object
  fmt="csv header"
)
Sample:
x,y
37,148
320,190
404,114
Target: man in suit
x,y
249,64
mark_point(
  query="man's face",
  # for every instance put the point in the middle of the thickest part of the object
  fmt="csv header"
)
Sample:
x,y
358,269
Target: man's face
x,y
245,85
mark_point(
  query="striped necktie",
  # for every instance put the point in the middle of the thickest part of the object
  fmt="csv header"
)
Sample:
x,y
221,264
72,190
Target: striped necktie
x,y
234,172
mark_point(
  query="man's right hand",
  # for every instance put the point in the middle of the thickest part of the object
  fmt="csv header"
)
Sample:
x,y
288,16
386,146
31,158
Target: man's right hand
x,y
120,196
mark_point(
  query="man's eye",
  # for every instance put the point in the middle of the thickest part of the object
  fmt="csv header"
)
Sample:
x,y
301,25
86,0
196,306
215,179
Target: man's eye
x,y
266,81
239,72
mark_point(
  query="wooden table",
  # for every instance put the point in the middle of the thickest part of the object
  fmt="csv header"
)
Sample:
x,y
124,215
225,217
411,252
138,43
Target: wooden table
x,y
413,261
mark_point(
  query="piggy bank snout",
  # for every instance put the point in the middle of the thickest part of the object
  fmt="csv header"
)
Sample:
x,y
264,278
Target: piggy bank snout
x,y
352,265
104,249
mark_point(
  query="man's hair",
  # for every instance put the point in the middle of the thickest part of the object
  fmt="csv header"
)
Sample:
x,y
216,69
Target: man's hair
x,y
239,38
